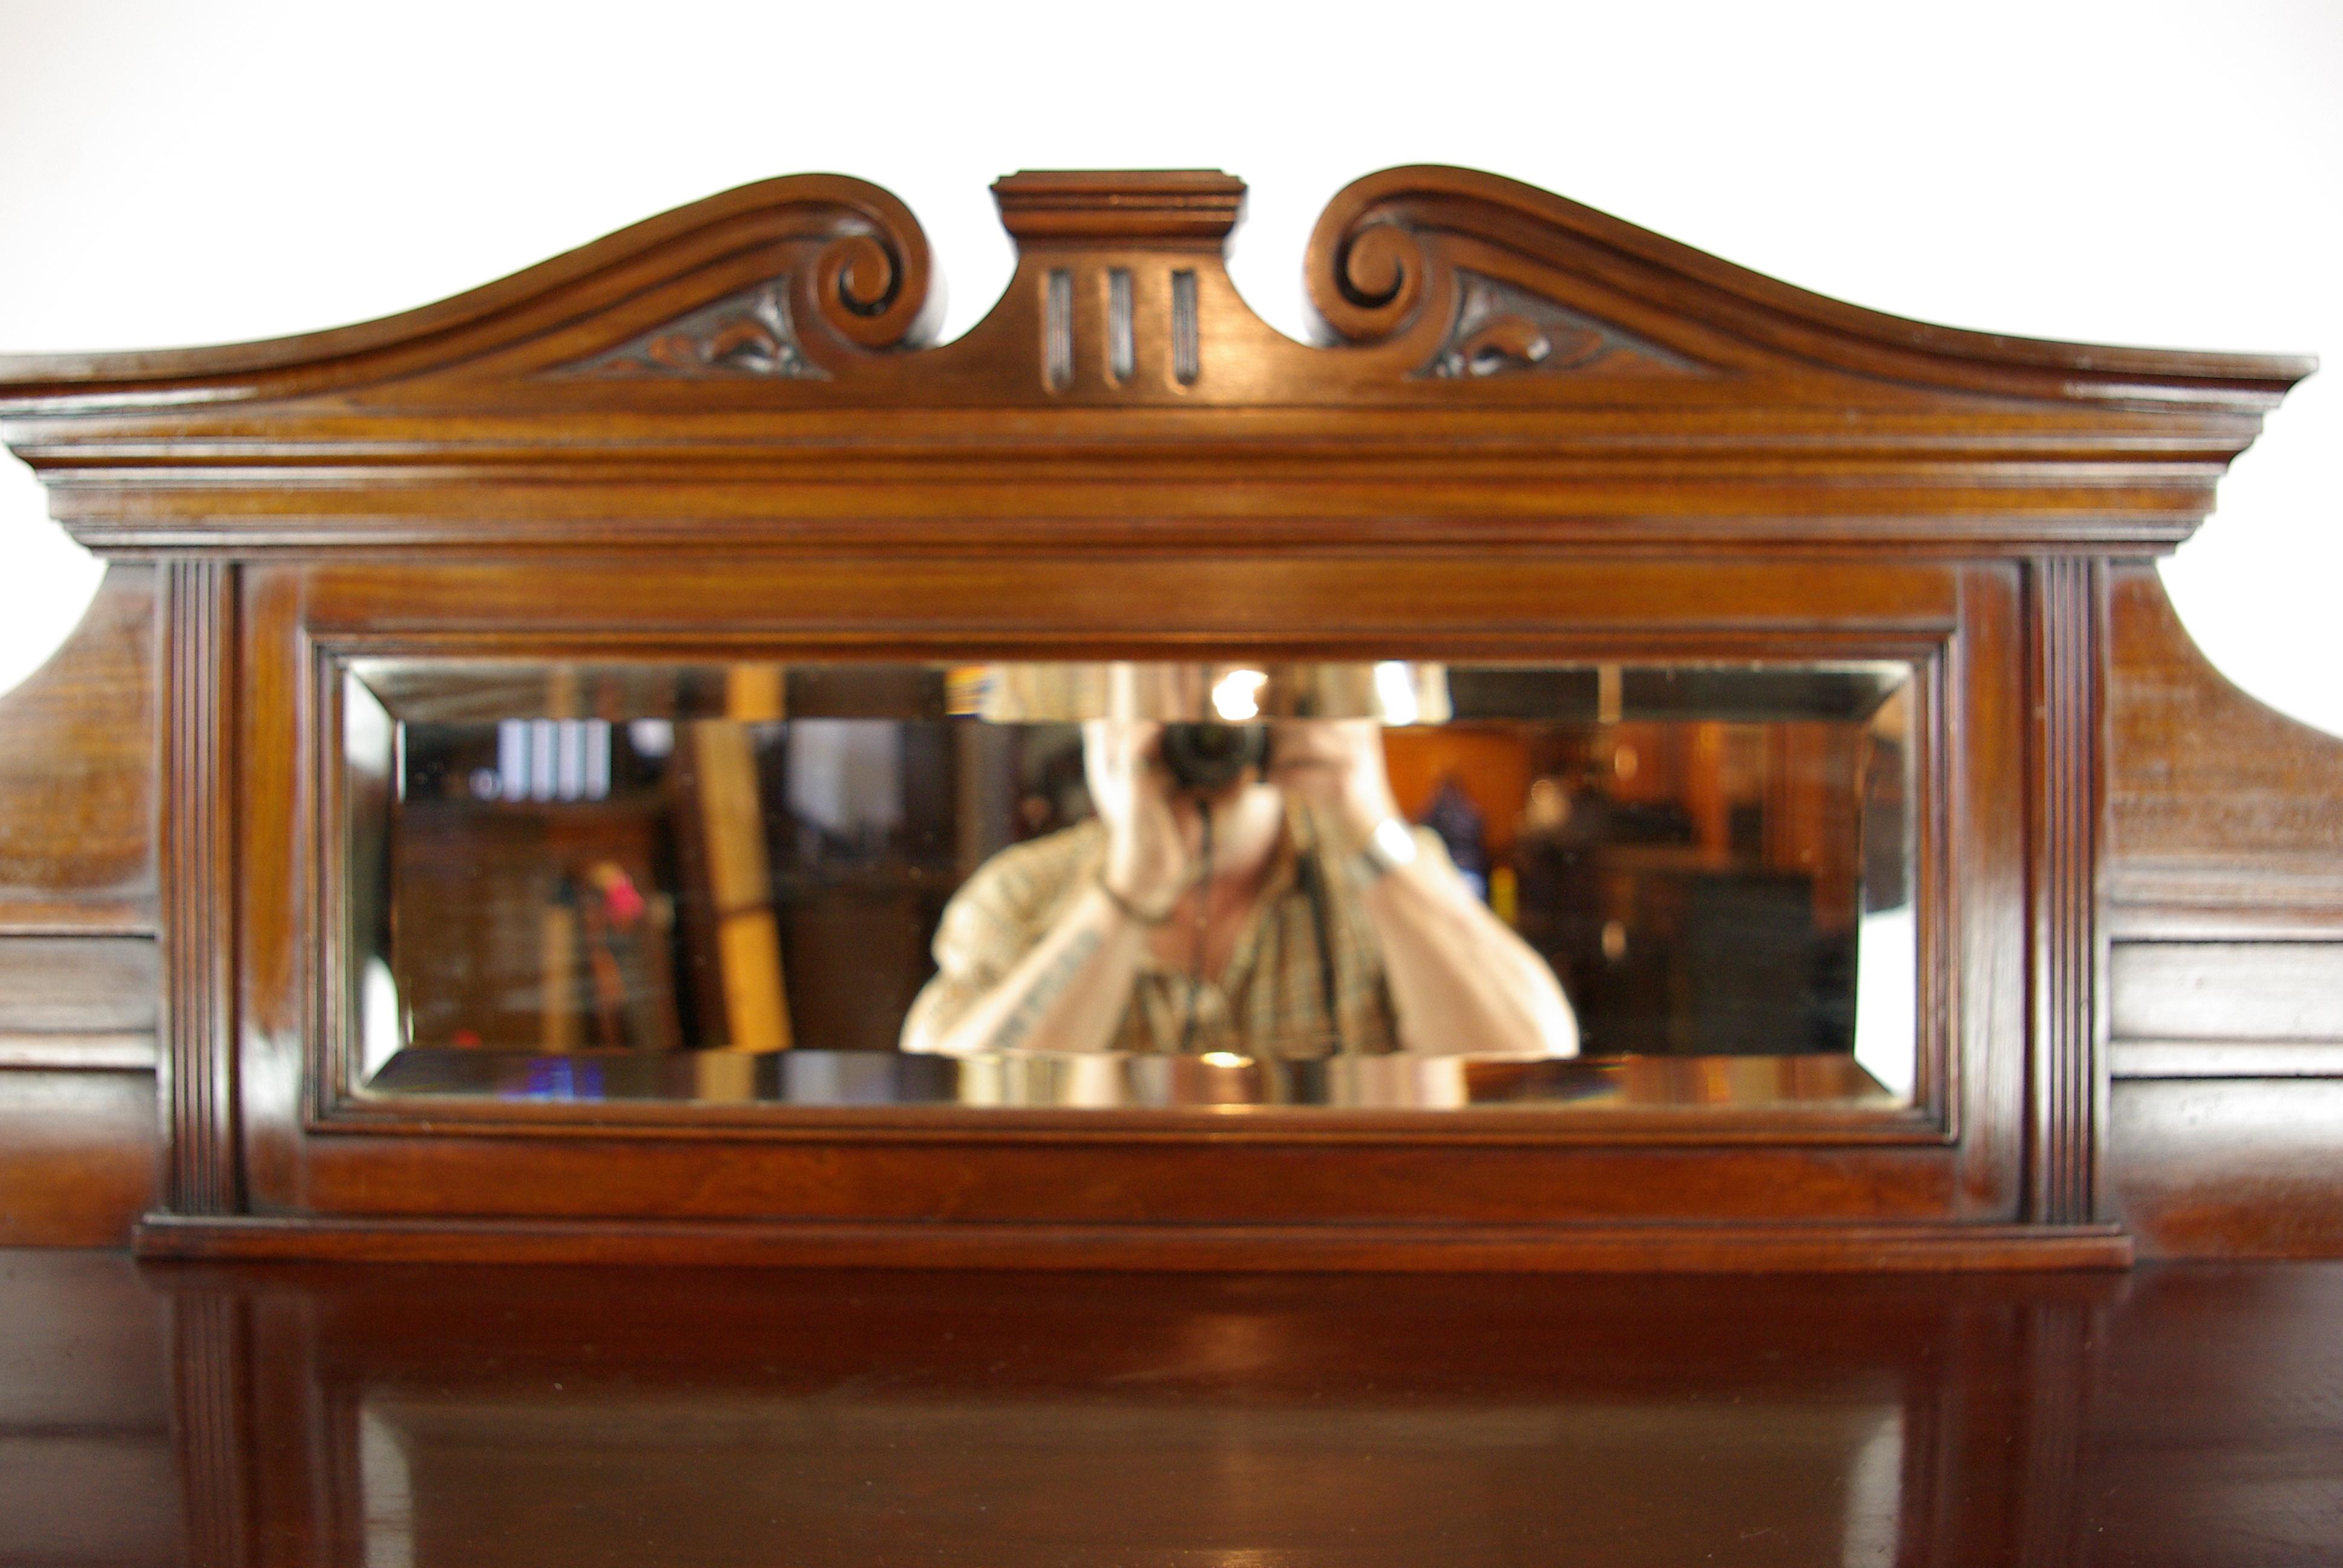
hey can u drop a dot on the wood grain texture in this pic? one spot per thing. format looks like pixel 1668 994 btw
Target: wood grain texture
pixel 76 985
pixel 429 1415
pixel 79 1141
pixel 2224 886
pixel 2209 1430
pixel 2210 1166
pixel 2224 818
pixel 79 1155
pixel 77 775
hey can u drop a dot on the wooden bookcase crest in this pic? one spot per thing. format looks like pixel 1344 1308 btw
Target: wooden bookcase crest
pixel 1530 431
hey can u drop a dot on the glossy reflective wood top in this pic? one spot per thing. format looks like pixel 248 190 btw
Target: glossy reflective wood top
pixel 388 1415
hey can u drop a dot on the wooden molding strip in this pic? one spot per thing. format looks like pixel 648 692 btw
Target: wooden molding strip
pixel 1685 1248
pixel 2068 1089
pixel 198 855
pixel 79 1052
pixel 2225 1059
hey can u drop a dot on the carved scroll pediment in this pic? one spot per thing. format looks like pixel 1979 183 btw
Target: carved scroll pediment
pixel 1526 355
pixel 1434 288
pixel 1121 297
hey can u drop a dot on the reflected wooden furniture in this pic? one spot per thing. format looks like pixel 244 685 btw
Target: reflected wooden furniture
pixel 1532 432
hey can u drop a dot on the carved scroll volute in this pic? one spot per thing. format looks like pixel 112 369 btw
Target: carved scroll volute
pixel 872 285
pixel 1373 280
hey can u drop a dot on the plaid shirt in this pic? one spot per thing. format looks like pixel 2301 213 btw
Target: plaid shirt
pixel 1270 1000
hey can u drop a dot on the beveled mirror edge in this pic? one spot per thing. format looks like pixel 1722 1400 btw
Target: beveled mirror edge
pixel 344 1103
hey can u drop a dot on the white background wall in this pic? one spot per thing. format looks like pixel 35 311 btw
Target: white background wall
pixel 2147 172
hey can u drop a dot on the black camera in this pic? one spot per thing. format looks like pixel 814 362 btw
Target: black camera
pixel 1206 759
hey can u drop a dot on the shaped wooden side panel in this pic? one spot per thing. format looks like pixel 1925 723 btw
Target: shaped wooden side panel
pixel 79 1138
pixel 2224 816
pixel 2225 977
pixel 77 775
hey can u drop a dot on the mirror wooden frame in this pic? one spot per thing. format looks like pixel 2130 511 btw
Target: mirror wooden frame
pixel 1911 618
pixel 1532 431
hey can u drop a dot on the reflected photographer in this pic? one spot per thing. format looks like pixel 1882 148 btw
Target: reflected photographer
pixel 1243 889
pixel 1134 882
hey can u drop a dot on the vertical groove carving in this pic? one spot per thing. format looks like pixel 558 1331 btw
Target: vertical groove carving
pixel 1121 356
pixel 1058 331
pixel 1187 355
pixel 2067 1086
pixel 199 686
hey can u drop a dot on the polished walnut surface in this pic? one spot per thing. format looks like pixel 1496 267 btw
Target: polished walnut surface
pixel 2185 1414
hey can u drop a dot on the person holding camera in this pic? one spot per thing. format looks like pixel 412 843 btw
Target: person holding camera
pixel 1282 908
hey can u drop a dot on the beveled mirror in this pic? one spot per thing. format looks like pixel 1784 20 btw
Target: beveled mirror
pixel 842 884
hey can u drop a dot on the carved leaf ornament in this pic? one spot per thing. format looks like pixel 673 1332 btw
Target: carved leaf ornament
pixel 746 334
pixel 1504 330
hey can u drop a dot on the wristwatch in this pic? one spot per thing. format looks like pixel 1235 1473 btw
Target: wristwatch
pixel 1390 846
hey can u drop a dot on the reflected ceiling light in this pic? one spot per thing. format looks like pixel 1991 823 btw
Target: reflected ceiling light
pixel 1396 691
pixel 1236 695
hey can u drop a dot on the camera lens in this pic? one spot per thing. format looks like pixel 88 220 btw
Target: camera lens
pixel 1207 758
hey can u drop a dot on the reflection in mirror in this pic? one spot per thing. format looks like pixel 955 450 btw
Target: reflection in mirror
pixel 1394 884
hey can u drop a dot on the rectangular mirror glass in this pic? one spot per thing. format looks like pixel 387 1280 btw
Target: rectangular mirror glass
pixel 1220 884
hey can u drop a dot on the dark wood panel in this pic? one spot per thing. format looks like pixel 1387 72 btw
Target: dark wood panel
pixel 1109 1180
pixel 77 772
pixel 2229 1167
pixel 86 1470
pixel 86 1348
pixel 427 1415
pixel 2224 828
pixel 2212 1426
pixel 79 1152
pixel 1601 603
pixel 73 1498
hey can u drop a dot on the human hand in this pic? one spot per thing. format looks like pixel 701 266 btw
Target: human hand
pixel 1335 766
pixel 1151 831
